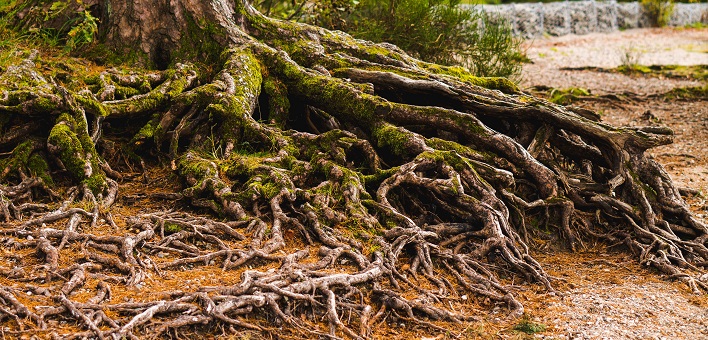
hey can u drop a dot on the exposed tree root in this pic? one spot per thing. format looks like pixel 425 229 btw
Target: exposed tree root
pixel 347 183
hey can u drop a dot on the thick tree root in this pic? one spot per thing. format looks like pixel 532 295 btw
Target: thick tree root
pixel 347 185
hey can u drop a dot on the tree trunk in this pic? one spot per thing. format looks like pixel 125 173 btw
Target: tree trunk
pixel 162 30
pixel 417 183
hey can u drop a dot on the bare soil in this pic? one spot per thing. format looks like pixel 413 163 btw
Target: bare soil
pixel 647 46
pixel 603 293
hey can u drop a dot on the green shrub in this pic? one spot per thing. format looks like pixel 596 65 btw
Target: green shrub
pixel 281 9
pixel 79 29
pixel 430 30
pixel 437 31
pixel 325 13
pixel 659 11
pixel 494 51
pixel 82 32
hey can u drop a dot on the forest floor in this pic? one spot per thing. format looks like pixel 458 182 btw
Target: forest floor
pixel 605 294
pixel 602 293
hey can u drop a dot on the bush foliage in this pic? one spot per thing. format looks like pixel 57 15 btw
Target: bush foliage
pixel 659 11
pixel 79 30
pixel 438 31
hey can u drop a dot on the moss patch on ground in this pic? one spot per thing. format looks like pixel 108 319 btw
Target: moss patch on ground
pixel 692 72
pixel 692 92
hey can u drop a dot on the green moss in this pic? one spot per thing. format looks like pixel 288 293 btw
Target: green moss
pixel 695 92
pixel 342 71
pixel 157 98
pixel 451 158
pixel 17 160
pixel 70 149
pixel 339 97
pixel 92 106
pixel 460 73
pixel 278 102
pixel 148 130
pixel 39 167
pixel 394 138
pixel 647 189
pixel 172 228
pixel 568 95
pixel 379 176
pixel 93 79
pixel 191 165
pixel 243 164
pixel 126 57
pixel 150 102
pixel 333 95
pixel 695 72
pixel 529 327
pixel 267 190
pixel 96 183
pixel 44 105
pixel 446 145
pixel 200 43
pixel 72 143
pixel 634 68
pixel 246 70
pixel 123 92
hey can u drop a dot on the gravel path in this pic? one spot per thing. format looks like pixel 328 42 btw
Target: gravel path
pixel 641 46
pixel 610 296
pixel 605 295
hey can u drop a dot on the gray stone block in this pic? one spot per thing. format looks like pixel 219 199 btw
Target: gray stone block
pixel 556 18
pixel 686 14
pixel 644 20
pixel 606 16
pixel 529 19
pixel 628 15
pixel 583 17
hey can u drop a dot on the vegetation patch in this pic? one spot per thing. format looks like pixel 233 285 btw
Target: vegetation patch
pixel 694 92
pixel 568 95
pixel 438 31
pixel 659 11
pixel 526 325
pixel 693 72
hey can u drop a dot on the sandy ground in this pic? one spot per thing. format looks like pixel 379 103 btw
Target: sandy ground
pixel 640 46
pixel 605 295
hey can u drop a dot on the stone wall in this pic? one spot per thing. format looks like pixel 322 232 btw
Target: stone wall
pixel 581 17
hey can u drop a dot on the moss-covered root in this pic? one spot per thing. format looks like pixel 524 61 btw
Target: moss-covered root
pixel 176 81
pixel 228 103
pixel 206 188
pixel 70 142
pixel 24 161
pixel 25 90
